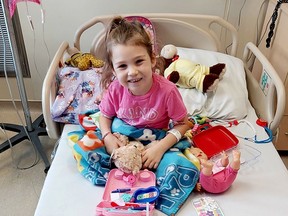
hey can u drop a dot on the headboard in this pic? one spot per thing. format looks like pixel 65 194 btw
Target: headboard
pixel 205 31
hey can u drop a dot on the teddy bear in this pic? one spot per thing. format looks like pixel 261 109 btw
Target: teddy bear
pixel 84 61
pixel 188 74
pixel 128 158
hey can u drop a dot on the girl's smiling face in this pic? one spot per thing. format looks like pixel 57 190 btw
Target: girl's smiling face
pixel 132 66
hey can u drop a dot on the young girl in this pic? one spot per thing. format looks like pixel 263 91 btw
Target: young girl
pixel 138 96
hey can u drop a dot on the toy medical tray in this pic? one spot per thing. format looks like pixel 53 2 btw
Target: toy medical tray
pixel 138 187
pixel 214 140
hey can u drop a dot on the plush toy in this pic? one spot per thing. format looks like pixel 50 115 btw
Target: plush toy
pixel 128 158
pixel 84 61
pixel 188 74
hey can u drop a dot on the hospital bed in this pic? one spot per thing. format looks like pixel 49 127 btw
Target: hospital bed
pixel 261 186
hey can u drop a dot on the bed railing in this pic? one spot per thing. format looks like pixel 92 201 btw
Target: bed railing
pixel 49 91
pixel 269 105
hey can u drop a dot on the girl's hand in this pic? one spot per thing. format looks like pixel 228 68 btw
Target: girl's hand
pixel 151 157
pixel 112 142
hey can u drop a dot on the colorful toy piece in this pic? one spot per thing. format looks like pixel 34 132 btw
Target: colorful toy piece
pixel 144 195
pixel 90 141
pixel 87 122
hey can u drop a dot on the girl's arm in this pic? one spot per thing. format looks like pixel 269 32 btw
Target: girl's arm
pixel 111 142
pixel 152 156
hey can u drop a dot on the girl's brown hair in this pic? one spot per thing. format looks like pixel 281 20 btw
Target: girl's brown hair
pixel 123 32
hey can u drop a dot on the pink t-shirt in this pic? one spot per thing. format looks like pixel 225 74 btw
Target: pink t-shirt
pixel 152 110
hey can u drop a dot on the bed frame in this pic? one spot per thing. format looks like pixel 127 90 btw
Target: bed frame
pixel 194 31
pixel 264 182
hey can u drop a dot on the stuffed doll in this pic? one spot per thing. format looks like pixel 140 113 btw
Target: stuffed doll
pixel 214 177
pixel 188 74
pixel 128 158
pixel 84 61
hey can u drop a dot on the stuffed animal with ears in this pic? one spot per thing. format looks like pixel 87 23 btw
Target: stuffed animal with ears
pixel 188 74
pixel 128 158
pixel 83 61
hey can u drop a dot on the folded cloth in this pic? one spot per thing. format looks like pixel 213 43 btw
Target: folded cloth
pixel 176 175
pixel 78 93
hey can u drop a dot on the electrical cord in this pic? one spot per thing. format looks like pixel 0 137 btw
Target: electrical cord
pixel 30 20
pixel 225 16
pixel 239 23
pixel 240 15
pixel 254 137
pixel 274 18
pixel 257 32
pixel 258 41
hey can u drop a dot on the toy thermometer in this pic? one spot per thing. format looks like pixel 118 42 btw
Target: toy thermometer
pixel 144 195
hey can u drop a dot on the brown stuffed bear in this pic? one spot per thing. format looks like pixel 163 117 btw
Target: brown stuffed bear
pixel 187 74
pixel 128 158
pixel 84 61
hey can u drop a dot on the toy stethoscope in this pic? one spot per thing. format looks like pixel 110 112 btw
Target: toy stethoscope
pixel 254 137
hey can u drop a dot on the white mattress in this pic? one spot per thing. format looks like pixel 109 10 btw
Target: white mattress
pixel 261 187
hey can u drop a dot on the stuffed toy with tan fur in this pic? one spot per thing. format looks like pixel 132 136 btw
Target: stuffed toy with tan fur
pixel 188 74
pixel 84 61
pixel 128 158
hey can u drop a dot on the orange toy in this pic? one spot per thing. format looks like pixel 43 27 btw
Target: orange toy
pixel 90 141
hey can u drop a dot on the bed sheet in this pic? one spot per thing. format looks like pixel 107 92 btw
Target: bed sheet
pixel 261 187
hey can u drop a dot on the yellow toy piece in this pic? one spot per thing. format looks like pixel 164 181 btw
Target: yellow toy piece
pixel 192 158
pixel 84 61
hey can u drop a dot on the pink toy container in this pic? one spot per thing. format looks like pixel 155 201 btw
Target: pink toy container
pixel 127 184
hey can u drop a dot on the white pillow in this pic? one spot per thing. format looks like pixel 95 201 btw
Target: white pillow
pixel 230 100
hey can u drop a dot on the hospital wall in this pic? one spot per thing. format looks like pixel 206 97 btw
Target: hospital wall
pixel 62 18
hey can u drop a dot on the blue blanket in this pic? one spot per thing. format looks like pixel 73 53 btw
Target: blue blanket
pixel 176 175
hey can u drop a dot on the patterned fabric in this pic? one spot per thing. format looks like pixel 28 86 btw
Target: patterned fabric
pixel 176 178
pixel 176 175
pixel 94 165
pixel 78 93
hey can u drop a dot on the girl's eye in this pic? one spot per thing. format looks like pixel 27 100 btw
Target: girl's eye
pixel 139 61
pixel 122 66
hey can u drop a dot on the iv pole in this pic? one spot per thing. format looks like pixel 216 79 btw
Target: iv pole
pixel 32 130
